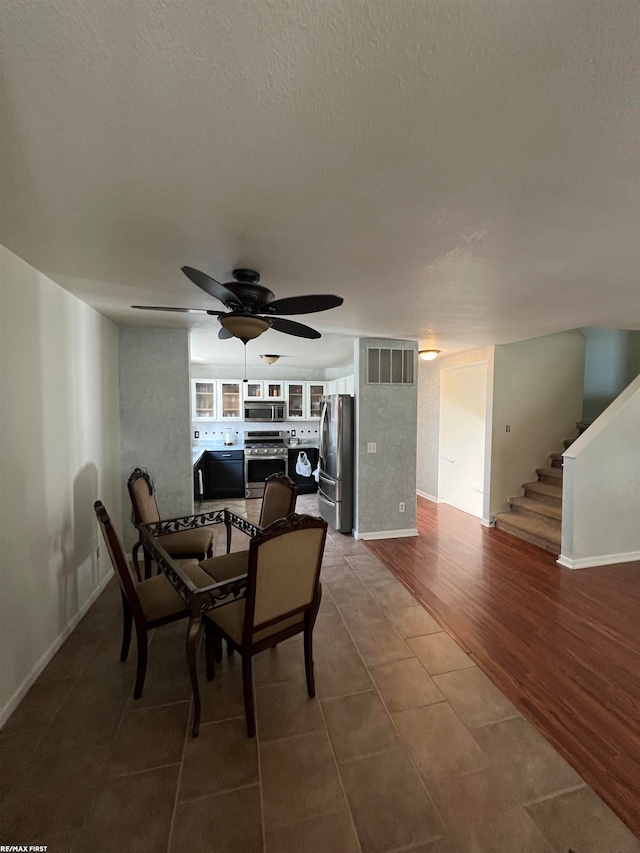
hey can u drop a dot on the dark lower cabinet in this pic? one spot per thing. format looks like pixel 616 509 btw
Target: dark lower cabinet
pixel 306 485
pixel 199 479
pixel 224 474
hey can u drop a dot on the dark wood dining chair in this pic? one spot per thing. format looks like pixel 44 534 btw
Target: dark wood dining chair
pixel 196 544
pixel 282 599
pixel 147 604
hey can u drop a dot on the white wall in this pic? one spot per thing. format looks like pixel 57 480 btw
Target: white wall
pixel 59 452
pixel 612 361
pixel 537 389
pixel 428 451
pixel 601 488
pixel 463 426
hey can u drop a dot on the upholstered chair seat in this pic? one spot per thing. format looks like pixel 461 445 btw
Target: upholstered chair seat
pixel 188 543
pixel 226 566
pixel 159 600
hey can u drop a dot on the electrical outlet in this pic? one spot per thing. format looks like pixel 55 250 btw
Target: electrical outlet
pixel 507 428
pixel 401 506
pixel 372 447
pixel 196 433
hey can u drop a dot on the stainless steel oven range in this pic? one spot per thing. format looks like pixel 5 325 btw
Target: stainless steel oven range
pixel 265 453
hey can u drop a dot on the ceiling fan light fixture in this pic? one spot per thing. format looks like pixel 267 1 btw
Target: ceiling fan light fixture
pixel 270 359
pixel 428 354
pixel 245 328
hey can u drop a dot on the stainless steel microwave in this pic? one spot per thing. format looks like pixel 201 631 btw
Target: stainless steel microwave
pixel 265 412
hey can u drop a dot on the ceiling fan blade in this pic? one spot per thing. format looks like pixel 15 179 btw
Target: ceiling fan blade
pixel 181 310
pixel 290 327
pixel 223 334
pixel 212 287
pixel 303 304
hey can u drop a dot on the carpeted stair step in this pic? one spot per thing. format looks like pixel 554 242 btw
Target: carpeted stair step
pixel 538 531
pixel 536 509
pixel 568 442
pixel 551 475
pixel 545 492
pixel 556 460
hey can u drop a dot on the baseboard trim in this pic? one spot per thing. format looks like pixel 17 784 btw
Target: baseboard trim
pixel 387 534
pixel 428 497
pixel 12 703
pixel 488 522
pixel 602 560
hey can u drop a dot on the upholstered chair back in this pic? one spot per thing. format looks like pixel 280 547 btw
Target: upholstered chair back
pixel 120 563
pixel 284 571
pixel 279 499
pixel 143 499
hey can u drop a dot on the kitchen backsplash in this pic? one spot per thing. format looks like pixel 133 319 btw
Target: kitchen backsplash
pixel 214 431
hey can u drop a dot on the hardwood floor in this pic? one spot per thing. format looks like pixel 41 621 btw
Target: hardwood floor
pixel 563 645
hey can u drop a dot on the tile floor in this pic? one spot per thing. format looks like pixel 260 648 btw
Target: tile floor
pixel 408 746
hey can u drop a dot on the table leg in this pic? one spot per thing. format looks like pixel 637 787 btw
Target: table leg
pixel 194 634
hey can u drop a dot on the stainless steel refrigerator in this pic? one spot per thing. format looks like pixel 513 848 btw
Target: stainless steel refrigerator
pixel 335 485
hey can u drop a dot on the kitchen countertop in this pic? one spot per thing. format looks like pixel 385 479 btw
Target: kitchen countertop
pixel 199 449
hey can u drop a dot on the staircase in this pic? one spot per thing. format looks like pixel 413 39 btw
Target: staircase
pixel 537 516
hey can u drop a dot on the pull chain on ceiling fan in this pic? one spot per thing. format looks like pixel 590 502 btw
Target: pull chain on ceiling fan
pixel 252 307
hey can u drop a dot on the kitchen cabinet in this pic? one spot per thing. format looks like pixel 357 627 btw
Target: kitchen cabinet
pixel 350 385
pixel 315 393
pixel 230 401
pixel 224 474
pixel 254 390
pixel 294 397
pixel 273 390
pixel 203 399
pixel 199 475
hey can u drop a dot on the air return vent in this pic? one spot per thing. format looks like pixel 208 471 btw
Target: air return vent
pixel 387 366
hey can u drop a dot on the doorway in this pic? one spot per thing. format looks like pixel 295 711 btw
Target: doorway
pixel 463 411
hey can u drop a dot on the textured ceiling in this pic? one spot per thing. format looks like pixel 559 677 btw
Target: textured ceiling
pixel 463 173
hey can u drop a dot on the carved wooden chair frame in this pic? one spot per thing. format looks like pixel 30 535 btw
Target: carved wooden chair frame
pixel 248 648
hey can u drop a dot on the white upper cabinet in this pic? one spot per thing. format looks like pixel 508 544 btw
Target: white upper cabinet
pixel 203 400
pixel 295 396
pixel 273 390
pixel 254 390
pixel 315 393
pixel 350 385
pixel 230 403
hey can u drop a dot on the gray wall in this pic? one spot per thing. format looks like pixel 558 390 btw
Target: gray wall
pixel 612 361
pixel 155 417
pixel 386 414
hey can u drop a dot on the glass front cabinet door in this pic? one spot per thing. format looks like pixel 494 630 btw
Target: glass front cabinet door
pixel 230 401
pixel 254 390
pixel 203 399
pixel 315 393
pixel 274 390
pixel 295 399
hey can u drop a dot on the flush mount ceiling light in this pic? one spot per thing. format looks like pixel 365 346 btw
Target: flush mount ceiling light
pixel 270 359
pixel 243 327
pixel 428 354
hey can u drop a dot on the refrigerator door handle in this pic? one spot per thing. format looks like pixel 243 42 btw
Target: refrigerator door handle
pixel 325 500
pixel 323 420
pixel 327 479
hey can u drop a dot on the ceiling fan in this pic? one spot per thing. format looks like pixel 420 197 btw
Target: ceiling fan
pixel 252 307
